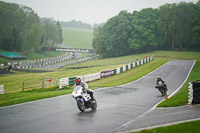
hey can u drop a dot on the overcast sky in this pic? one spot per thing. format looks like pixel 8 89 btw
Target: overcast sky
pixel 89 11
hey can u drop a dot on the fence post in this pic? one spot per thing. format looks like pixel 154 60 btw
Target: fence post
pixel 43 84
pixel 22 86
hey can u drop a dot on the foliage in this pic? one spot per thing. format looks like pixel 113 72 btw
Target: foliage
pixel 111 41
pixel 170 27
pixel 76 24
pixel 21 29
pixel 143 36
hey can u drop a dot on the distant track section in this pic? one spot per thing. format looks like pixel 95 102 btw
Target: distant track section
pixel 68 50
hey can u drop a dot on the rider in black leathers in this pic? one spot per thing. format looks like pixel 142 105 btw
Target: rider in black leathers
pixel 159 79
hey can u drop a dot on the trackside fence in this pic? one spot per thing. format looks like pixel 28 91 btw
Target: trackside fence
pixel 68 81
pixel 45 83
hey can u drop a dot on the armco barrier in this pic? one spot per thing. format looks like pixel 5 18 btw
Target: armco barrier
pixel 86 78
pixel 90 77
pixel 64 82
pixel 106 74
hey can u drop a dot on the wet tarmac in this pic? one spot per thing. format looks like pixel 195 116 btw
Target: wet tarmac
pixel 116 106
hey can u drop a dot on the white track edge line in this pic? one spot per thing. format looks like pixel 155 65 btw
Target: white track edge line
pixel 126 124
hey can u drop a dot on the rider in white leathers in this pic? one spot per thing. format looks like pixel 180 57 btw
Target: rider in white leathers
pixel 85 87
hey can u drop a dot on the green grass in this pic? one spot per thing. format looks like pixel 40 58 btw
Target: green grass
pixel 132 74
pixel 13 83
pixel 188 127
pixel 14 96
pixel 177 55
pixel 77 38
pixel 34 56
pixel 181 97
pixel 31 95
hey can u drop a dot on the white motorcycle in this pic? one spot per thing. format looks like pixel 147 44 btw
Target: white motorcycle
pixel 83 99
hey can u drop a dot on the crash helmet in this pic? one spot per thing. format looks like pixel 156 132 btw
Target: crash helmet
pixel 158 78
pixel 78 81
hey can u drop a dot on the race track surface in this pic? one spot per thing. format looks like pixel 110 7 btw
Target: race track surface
pixel 116 106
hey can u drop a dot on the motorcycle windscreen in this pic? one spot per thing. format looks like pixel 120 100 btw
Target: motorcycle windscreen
pixel 77 88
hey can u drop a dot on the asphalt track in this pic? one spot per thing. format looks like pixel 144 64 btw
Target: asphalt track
pixel 116 106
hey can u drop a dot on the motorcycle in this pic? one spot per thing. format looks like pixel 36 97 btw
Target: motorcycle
pixel 83 99
pixel 162 87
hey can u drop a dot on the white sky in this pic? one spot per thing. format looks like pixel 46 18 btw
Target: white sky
pixel 88 11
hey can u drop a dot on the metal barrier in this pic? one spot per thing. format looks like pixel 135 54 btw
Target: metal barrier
pixel 90 77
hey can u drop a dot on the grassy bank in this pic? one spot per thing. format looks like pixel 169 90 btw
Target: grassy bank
pixel 21 97
pixel 13 83
pixel 33 55
pixel 77 38
pixel 181 97
pixel 132 74
pixel 188 127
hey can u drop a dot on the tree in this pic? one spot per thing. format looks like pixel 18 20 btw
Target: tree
pixel 196 27
pixel 50 32
pixel 60 36
pixel 143 36
pixel 21 29
pixel 112 39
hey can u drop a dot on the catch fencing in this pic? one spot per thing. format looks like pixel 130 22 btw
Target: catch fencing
pixel 68 81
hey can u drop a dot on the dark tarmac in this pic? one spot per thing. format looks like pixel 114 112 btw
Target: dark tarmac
pixel 117 106
pixel 162 117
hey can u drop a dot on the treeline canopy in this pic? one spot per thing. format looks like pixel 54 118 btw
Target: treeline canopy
pixel 23 31
pixel 170 27
pixel 76 24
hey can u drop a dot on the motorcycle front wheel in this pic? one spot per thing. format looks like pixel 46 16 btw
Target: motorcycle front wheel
pixel 94 105
pixel 81 106
pixel 162 91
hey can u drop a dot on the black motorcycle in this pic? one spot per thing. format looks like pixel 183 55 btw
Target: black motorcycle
pixel 162 87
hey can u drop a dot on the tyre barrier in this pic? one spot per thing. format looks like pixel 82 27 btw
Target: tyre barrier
pixel 194 92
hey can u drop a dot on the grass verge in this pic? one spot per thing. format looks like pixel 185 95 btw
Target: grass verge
pixel 132 74
pixel 188 127
pixel 181 97
pixel 31 95
pixel 36 94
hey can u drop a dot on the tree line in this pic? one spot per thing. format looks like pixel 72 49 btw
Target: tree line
pixel 76 24
pixel 169 27
pixel 23 31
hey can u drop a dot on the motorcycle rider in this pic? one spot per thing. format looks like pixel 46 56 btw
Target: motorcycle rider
pixel 159 79
pixel 85 87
